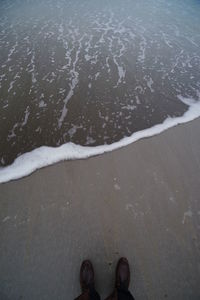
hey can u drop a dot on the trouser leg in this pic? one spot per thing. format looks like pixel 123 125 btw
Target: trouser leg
pixel 90 294
pixel 113 296
pixel 120 294
pixel 124 295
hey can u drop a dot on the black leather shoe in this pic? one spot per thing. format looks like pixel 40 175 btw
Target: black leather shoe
pixel 122 274
pixel 86 275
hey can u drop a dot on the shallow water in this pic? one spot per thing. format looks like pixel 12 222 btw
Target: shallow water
pixel 92 72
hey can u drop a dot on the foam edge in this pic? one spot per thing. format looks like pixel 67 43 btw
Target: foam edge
pixel 44 156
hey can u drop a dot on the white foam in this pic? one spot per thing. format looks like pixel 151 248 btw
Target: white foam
pixel 45 156
pixel 129 107
pixel 143 45
pixel 11 86
pixel 12 50
pixel 97 75
pixel 42 104
pixel 121 72
pixel 27 113
pixel 149 82
pixel 12 132
pixel 74 81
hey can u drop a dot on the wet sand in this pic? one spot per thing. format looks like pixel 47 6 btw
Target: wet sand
pixel 142 201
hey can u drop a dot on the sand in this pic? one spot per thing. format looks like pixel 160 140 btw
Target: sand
pixel 142 202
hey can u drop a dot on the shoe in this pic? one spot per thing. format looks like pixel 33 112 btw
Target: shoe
pixel 122 279
pixel 86 275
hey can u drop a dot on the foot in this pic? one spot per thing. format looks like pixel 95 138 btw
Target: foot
pixel 86 276
pixel 122 274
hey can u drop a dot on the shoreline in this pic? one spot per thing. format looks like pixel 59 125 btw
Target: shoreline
pixel 44 156
pixel 141 201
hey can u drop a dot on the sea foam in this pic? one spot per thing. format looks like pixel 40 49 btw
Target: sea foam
pixel 45 156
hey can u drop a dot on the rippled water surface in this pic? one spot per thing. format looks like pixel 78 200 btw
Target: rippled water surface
pixel 93 72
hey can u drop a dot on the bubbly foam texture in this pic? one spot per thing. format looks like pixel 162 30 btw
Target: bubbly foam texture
pixel 45 156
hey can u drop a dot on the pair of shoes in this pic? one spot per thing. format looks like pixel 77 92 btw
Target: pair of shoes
pixel 122 275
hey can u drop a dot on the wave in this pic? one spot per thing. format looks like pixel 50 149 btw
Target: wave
pixel 44 156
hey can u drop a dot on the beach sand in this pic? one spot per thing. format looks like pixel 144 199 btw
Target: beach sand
pixel 141 201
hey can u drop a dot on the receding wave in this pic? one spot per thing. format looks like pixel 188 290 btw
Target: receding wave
pixel 45 156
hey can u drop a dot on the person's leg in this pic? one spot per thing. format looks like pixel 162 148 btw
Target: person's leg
pixel 87 282
pixel 122 281
pixel 120 295
pixel 124 295
pixel 89 295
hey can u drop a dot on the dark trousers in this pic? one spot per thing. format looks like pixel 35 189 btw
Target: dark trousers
pixel 124 295
pixel 90 294
pixel 118 294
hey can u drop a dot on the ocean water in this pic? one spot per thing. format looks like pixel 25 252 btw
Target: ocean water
pixel 98 74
